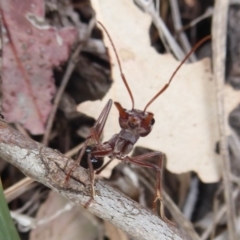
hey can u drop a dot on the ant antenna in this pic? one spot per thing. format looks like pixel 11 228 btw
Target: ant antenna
pixel 174 73
pixel 119 63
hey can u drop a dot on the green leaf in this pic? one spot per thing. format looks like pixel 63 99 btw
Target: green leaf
pixel 7 227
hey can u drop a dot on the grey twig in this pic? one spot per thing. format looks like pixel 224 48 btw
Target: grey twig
pixel 27 183
pixel 51 168
pixel 177 215
pixel 219 33
pixel 161 27
pixel 178 25
pixel 59 93
pixel 207 14
pixel 66 77
pixel 218 217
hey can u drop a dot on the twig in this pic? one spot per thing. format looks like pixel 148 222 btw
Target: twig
pixel 219 215
pixel 26 184
pixel 177 215
pixel 160 32
pixel 219 27
pixel 70 67
pixel 148 6
pixel 66 77
pixel 234 145
pixel 178 25
pixel 74 150
pixel 26 223
pixel 19 188
pixel 191 198
pixel 21 129
pixel 235 179
pixel 158 6
pixel 215 210
pixel 67 207
pixel 32 202
pixel 207 14
pixel 51 168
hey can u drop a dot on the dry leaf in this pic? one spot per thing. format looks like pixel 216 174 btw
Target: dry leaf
pixel 186 127
pixel 31 50
pixel 70 225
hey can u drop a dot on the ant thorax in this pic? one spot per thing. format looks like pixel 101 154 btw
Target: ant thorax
pixel 134 124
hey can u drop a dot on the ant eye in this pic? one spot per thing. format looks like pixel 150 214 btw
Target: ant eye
pixel 152 121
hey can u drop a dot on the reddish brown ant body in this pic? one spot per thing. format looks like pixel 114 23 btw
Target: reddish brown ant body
pixel 134 124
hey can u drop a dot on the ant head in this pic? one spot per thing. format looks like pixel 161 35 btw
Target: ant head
pixel 135 121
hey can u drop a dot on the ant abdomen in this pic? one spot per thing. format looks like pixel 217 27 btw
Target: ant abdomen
pixel 97 162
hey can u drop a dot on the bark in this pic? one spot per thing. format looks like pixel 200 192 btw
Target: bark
pixel 50 168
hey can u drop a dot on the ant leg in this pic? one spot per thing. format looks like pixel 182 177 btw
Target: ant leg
pixel 92 180
pixel 101 121
pixel 91 176
pixel 77 162
pixel 96 130
pixel 141 161
pixel 94 135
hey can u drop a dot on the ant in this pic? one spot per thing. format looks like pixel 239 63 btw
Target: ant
pixel 134 124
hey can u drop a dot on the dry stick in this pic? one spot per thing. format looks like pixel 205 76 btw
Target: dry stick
pixel 177 26
pixel 67 207
pixel 66 77
pixel 219 28
pixel 21 129
pixel 50 167
pixel 148 6
pixel 234 146
pixel 160 32
pixel 32 223
pixel 19 188
pixel 235 179
pixel 215 210
pixel 26 184
pixel 68 73
pixel 177 215
pixel 207 14
pixel 219 216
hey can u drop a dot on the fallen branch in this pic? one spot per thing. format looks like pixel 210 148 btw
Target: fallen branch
pixel 219 33
pixel 50 167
